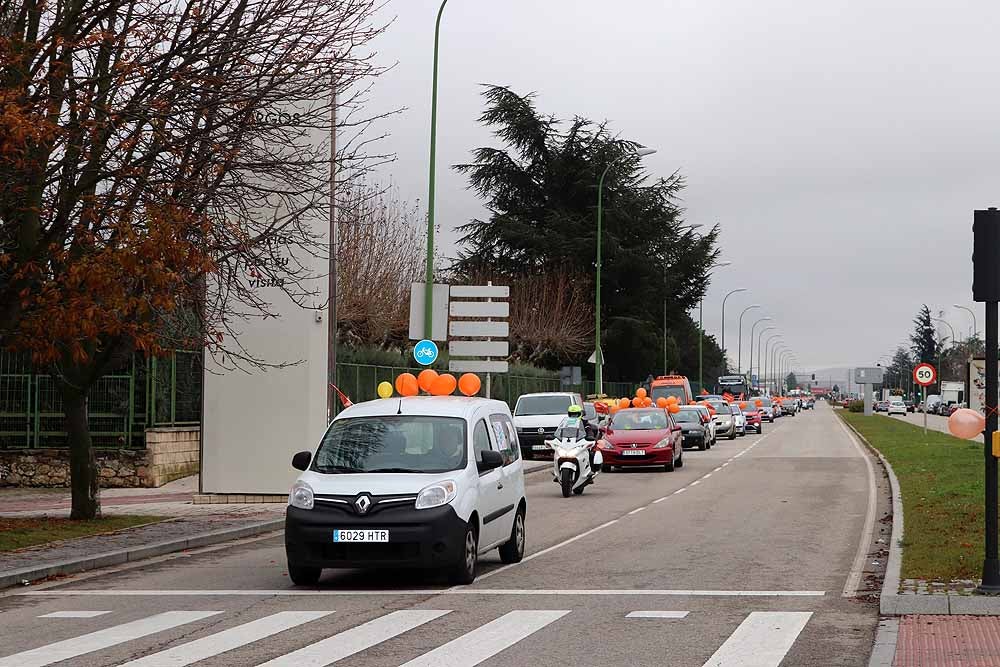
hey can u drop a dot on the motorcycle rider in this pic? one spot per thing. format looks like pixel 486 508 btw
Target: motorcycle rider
pixel 574 416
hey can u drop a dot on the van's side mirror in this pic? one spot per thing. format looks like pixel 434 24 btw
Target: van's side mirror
pixel 489 460
pixel 301 460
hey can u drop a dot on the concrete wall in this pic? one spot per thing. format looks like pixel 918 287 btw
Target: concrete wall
pixel 171 453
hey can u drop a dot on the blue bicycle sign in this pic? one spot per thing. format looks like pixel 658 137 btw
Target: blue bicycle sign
pixel 425 352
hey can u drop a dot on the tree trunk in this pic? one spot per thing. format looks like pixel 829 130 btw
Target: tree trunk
pixel 84 477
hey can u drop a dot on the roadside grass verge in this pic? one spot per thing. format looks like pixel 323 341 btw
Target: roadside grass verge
pixel 941 482
pixel 18 533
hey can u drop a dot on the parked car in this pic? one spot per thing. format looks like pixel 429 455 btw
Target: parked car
pixel 724 422
pixel 738 419
pixel 896 406
pixel 642 437
pixel 537 416
pixel 910 407
pixel 766 408
pixel 753 418
pixel 430 482
pixel 693 428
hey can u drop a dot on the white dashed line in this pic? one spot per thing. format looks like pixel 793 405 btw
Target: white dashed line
pixel 636 510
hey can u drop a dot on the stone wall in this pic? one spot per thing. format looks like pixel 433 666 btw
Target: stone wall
pixel 171 453
pixel 50 467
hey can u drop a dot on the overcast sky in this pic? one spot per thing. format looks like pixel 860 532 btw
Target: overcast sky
pixel 842 146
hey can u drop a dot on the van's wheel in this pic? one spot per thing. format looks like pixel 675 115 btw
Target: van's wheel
pixel 304 576
pixel 513 550
pixel 464 571
pixel 566 480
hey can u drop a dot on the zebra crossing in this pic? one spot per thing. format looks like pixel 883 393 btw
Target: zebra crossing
pixel 762 639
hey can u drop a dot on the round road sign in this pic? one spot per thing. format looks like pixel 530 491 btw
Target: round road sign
pixel 425 352
pixel 924 375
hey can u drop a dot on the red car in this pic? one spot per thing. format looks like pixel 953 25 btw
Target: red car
pixel 754 421
pixel 642 437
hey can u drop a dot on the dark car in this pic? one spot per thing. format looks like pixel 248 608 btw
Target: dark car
pixel 882 406
pixel 753 418
pixel 910 406
pixel 642 437
pixel 693 429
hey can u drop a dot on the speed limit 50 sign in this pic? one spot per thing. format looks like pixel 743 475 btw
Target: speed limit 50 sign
pixel 924 375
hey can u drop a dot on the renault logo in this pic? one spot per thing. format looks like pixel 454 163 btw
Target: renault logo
pixel 362 504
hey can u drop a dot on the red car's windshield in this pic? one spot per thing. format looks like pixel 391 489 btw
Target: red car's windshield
pixel 640 420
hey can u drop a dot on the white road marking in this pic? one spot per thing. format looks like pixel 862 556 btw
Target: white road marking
pixel 656 614
pixel 858 569
pixel 357 639
pixel 706 476
pixel 636 510
pixel 719 468
pixel 660 500
pixel 680 491
pixel 75 614
pixel 762 639
pixel 545 551
pixel 695 482
pixel 102 639
pixel 227 640
pixel 291 592
pixel 486 641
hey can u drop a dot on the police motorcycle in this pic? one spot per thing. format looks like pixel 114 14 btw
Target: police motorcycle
pixel 575 461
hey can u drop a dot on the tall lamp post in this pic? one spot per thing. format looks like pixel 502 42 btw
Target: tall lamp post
pixel 760 336
pixel 763 366
pixel 975 327
pixel 725 356
pixel 769 351
pixel 941 353
pixel 739 340
pixel 598 353
pixel 752 329
pixel 429 274
pixel 779 349
pixel 701 329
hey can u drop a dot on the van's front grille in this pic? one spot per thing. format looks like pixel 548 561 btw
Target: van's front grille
pixel 347 551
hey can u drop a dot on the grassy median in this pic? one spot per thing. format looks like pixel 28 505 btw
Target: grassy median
pixel 17 533
pixel 941 481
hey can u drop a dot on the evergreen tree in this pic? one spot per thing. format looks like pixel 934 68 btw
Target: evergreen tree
pixel 923 340
pixel 791 382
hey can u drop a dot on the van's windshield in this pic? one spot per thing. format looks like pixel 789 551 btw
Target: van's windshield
pixel 555 404
pixel 666 391
pixel 403 444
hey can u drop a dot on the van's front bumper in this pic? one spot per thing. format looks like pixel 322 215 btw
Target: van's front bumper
pixel 417 538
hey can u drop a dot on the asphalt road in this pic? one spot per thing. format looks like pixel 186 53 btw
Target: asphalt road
pixel 741 557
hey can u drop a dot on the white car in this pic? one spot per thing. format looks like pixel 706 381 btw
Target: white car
pixel 739 420
pixel 537 416
pixel 897 407
pixel 424 481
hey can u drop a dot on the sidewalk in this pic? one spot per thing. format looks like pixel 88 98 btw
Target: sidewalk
pixel 948 641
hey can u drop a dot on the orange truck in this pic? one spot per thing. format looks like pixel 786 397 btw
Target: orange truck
pixel 671 385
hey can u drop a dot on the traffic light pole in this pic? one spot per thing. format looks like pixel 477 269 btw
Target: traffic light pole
pixel 991 564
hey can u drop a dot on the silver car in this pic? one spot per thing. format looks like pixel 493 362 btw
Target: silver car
pixel 725 422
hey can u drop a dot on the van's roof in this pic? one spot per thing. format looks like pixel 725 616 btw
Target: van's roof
pixel 432 406
pixel 547 393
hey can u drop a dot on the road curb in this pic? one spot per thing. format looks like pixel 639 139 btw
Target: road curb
pixel 72 566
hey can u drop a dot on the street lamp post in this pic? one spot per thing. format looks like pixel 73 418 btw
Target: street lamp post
pixel 769 351
pixel 763 366
pixel 975 327
pixel 760 336
pixel 598 353
pixel 941 352
pixel 752 329
pixel 725 356
pixel 429 273
pixel 701 330
pixel 739 340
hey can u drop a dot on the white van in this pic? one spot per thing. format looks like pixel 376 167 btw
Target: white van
pixel 537 416
pixel 424 481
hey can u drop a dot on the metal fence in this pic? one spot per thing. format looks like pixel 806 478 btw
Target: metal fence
pixel 359 382
pixel 145 393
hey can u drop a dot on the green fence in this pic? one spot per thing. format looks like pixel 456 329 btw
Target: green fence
pixel 359 382
pixel 145 393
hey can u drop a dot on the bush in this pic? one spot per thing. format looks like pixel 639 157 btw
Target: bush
pixel 856 406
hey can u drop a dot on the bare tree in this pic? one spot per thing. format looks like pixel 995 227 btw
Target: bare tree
pixel 161 161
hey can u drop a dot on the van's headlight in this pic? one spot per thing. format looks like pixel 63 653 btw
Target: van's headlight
pixel 301 496
pixel 437 494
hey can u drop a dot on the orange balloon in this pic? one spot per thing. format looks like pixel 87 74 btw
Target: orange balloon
pixel 743 405
pixel 662 402
pixel 966 423
pixel 673 399
pixel 624 403
pixel 674 408
pixel 640 392
pixel 469 384
pixel 614 409
pixel 759 403
pixel 647 402
pixel 426 379
pixel 444 385
pixel 406 385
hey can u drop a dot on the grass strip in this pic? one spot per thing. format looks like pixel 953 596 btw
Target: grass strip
pixel 18 533
pixel 941 482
